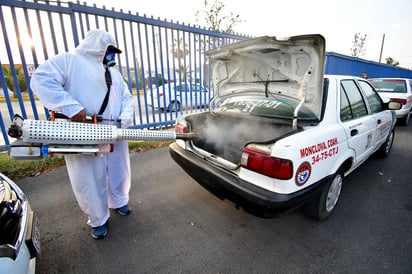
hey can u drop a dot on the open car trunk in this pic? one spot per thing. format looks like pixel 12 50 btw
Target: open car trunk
pixel 265 88
pixel 225 135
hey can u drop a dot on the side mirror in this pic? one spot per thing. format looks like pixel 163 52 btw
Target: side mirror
pixel 394 105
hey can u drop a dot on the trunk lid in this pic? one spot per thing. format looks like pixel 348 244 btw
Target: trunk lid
pixel 266 66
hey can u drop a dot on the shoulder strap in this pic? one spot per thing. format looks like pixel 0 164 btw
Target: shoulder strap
pixel 108 79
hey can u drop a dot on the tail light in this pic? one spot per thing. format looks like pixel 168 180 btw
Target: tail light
pixel 401 101
pixel 181 128
pixel 261 162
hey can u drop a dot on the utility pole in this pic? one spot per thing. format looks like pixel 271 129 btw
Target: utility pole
pixel 383 41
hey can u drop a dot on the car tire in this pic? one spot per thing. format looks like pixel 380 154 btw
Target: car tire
pixel 174 106
pixel 323 205
pixel 386 147
pixel 404 121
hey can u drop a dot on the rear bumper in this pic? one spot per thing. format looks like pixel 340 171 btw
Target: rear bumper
pixel 403 112
pixel 227 185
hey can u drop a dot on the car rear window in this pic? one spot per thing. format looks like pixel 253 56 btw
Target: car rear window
pixel 265 107
pixel 389 85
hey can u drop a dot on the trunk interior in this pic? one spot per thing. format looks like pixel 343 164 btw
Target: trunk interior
pixel 226 135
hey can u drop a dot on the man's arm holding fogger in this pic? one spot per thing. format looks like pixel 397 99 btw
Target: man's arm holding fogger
pixel 47 83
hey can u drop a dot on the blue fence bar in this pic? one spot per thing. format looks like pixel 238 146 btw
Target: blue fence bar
pixel 158 57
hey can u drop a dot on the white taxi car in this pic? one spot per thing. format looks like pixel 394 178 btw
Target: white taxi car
pixel 280 134
pixel 175 96
pixel 19 230
pixel 396 90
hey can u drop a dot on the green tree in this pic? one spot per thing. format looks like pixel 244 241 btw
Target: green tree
pixel 215 17
pixel 8 75
pixel 358 45
pixel 180 49
pixel 138 83
pixel 180 52
pixel 392 62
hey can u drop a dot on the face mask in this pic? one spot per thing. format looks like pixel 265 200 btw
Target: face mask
pixel 109 58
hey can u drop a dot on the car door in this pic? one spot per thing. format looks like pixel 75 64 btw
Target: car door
pixel 192 93
pixel 196 95
pixel 382 119
pixel 185 95
pixel 409 93
pixel 358 124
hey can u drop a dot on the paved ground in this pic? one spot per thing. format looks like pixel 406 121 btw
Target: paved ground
pixel 177 226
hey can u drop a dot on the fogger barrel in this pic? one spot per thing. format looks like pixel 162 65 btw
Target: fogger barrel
pixel 37 139
pixel 62 132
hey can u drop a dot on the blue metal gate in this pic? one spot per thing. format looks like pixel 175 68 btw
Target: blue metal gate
pixel 158 59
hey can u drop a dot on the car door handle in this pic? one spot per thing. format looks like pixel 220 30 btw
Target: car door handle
pixel 379 121
pixel 354 132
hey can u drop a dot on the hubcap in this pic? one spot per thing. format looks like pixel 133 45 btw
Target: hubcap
pixel 333 193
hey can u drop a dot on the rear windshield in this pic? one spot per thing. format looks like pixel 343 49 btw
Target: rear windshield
pixel 265 107
pixel 389 85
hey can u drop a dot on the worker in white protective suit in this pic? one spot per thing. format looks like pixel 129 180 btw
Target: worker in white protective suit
pixel 74 84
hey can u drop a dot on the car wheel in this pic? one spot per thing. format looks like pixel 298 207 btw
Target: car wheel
pixel 323 205
pixel 174 106
pixel 386 147
pixel 404 121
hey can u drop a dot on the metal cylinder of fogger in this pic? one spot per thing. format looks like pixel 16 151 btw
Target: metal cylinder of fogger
pixel 63 132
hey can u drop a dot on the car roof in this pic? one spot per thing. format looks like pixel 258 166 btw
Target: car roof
pixel 343 76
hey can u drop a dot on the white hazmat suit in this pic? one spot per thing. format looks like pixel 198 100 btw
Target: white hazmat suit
pixel 74 81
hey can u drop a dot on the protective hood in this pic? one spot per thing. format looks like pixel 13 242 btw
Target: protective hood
pixel 96 43
pixel 266 66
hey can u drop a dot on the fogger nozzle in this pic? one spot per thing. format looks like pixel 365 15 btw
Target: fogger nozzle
pixel 186 136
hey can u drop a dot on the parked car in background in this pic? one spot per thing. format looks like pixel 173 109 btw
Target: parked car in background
pixel 280 134
pixel 19 230
pixel 176 96
pixel 396 90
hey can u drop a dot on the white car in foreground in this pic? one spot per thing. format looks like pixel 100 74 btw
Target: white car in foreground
pixel 280 134
pixel 19 230
pixel 396 90
pixel 176 96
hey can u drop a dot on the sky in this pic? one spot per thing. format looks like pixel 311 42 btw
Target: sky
pixel 384 22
